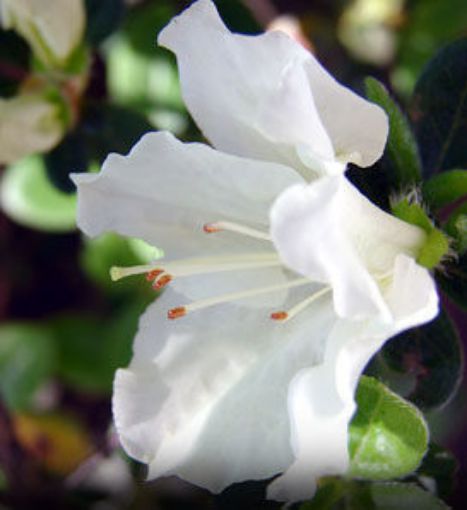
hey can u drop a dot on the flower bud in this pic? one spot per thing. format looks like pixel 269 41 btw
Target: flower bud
pixel 53 28
pixel 29 122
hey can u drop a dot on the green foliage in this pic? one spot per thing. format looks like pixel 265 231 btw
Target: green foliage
pixel 430 25
pixel 27 359
pixel 436 244
pixel 453 280
pixel 439 110
pixel 388 436
pixel 91 349
pixel 335 494
pixel 439 467
pixel 445 188
pixel 29 198
pixel 99 255
pixel 401 146
pixel 432 355
pixel 103 18
pixel 404 496
pixel 456 227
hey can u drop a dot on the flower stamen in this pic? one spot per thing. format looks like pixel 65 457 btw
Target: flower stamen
pixel 189 267
pixel 284 316
pixel 220 226
pixel 162 281
pixel 174 313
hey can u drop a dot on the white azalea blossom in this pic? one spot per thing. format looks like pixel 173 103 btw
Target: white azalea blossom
pixel 283 278
pixel 53 28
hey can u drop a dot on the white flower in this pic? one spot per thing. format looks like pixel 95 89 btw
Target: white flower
pixel 53 28
pixel 29 123
pixel 230 391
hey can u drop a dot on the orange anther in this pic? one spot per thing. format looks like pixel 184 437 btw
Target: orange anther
pixel 176 313
pixel 279 316
pixel 211 228
pixel 152 275
pixel 162 282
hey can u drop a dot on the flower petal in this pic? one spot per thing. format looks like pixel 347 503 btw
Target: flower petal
pixel 228 81
pixel 358 129
pixel 255 96
pixel 331 233
pixel 321 398
pixel 164 191
pixel 205 397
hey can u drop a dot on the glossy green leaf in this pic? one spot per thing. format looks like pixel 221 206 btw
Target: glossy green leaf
pixel 388 436
pixel 27 359
pixel 445 188
pixel 401 146
pixel 432 355
pixel 439 109
pixel 28 197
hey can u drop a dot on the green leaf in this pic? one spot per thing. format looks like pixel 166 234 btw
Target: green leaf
pixel 144 22
pixel 456 227
pixel 28 197
pixel 445 188
pixel 330 491
pixel 339 494
pixel 388 436
pixel 432 355
pixel 99 255
pixel 109 128
pixel 436 244
pixel 402 147
pixel 432 25
pixel 439 109
pixel 440 467
pixel 103 17
pixel 403 496
pixel 91 349
pixel 27 359
pixel 69 156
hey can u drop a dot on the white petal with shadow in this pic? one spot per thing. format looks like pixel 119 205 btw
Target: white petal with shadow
pixel 165 190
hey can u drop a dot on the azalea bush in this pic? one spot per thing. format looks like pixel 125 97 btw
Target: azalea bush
pixel 234 265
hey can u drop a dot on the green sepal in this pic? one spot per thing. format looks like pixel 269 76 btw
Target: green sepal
pixel 436 244
pixel 388 436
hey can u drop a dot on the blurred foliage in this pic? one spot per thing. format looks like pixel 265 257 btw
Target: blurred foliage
pixel 66 327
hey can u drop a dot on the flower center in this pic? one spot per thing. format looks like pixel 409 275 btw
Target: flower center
pixel 160 275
